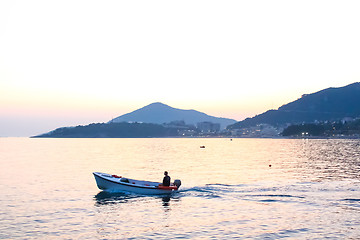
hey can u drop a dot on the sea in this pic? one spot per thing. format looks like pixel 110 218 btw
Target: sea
pixel 231 189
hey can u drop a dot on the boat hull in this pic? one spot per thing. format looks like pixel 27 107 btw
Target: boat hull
pixel 109 183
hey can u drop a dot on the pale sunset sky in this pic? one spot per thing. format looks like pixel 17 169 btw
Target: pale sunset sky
pixel 68 63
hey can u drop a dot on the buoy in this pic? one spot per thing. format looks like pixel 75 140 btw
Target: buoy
pixel 269 165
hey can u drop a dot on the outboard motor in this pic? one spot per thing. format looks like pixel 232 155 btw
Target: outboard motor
pixel 177 183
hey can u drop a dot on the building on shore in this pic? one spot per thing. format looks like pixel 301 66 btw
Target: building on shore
pixel 208 127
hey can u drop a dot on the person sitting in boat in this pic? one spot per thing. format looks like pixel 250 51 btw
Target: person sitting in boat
pixel 166 180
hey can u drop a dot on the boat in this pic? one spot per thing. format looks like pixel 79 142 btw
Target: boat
pixel 115 183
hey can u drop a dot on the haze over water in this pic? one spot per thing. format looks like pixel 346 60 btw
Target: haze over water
pixel 228 189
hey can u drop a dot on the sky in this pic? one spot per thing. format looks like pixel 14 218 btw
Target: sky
pixel 67 63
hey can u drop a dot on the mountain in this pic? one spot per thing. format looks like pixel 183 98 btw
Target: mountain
pixel 330 104
pixel 142 123
pixel 160 113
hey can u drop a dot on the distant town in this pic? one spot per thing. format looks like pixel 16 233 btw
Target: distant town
pixel 345 128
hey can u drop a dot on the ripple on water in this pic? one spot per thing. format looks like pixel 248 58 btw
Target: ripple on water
pixel 229 191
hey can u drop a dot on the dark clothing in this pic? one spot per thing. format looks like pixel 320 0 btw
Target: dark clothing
pixel 166 181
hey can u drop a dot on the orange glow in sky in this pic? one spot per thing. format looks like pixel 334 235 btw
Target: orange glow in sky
pixel 76 62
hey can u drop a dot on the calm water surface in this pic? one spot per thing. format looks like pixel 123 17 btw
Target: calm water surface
pixel 311 190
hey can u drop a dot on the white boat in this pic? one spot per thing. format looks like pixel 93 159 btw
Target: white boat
pixel 114 183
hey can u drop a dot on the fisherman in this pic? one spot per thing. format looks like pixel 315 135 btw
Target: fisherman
pixel 166 180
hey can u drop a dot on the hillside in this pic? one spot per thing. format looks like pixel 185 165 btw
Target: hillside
pixel 160 113
pixel 338 129
pixel 330 104
pixel 112 130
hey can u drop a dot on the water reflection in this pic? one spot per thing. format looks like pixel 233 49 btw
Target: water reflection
pixel 166 201
pixel 331 161
pixel 105 198
pixel 142 214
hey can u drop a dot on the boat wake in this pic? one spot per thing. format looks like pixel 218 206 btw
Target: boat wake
pixel 246 192
pixel 301 192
